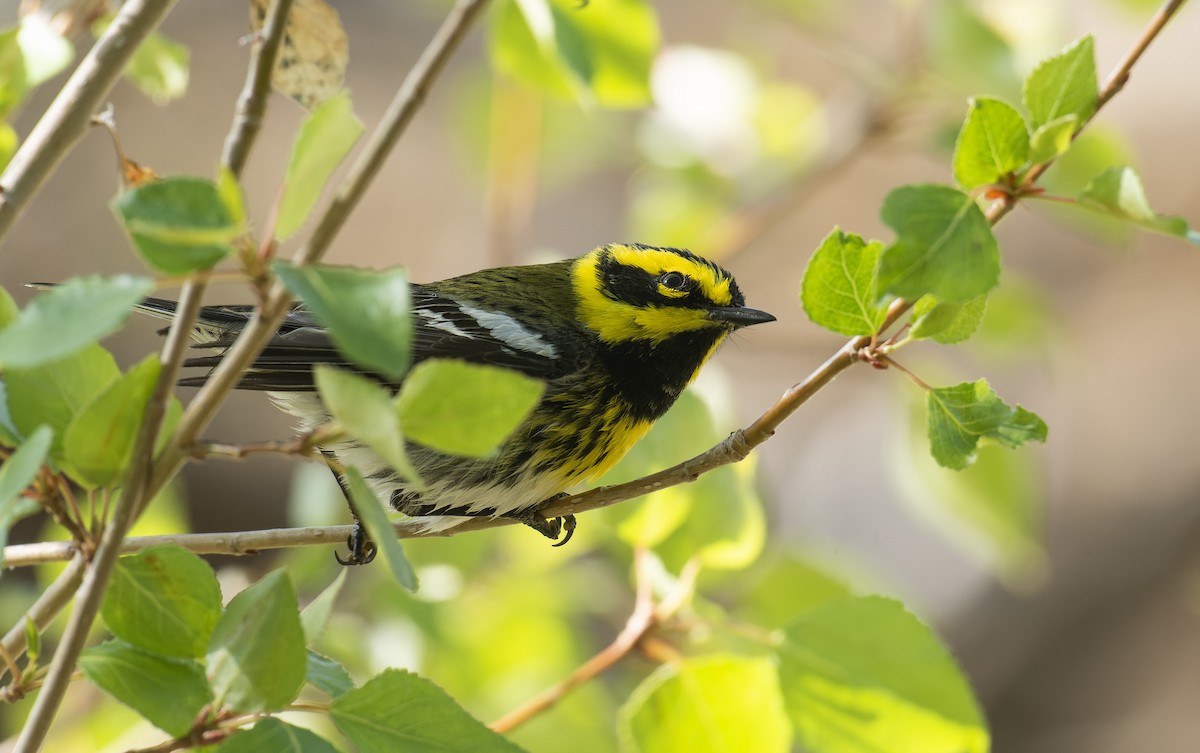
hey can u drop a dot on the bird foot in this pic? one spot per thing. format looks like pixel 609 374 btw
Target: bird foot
pixel 362 549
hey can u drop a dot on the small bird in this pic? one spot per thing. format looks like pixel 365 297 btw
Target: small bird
pixel 615 335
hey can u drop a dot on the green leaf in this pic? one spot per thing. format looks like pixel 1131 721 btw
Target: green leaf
pixel 8 309
pixel 944 245
pixel 965 414
pixel 838 289
pixel 465 409
pixel 325 138
pixel 967 52
pixel 314 616
pixel 165 600
pixel 598 52
pixel 1064 84
pixel 1052 139
pixel 178 225
pixel 99 442
pixel 364 408
pixel 865 675
pixel 53 393
pixel 379 528
pixel 711 704
pixel 21 467
pixel 270 735
pixel 45 51
pixel 232 195
pixel 1118 191
pixel 367 311
pixel 33 641
pixel 993 510
pixel 993 144
pixel 327 674
pixel 947 323
pixel 256 658
pixel 786 587
pixel 14 82
pixel 10 436
pixel 159 68
pixel 397 710
pixel 69 316
pixel 718 518
pixel 168 692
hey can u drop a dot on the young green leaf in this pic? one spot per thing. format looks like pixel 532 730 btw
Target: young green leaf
pixel 397 710
pixel 710 704
pixel 316 614
pixel 364 409
pixel 98 443
pixel 178 225
pixel 232 196
pixel 10 436
pixel 1064 84
pixel 993 144
pixel 944 245
pixel 45 51
pixel 782 587
pixel 838 289
pixel 965 414
pixel 8 309
pixel 598 52
pixel 947 323
pixel 159 68
pixel 21 467
pixel 1052 139
pixel 165 600
pixel 69 316
pixel 864 674
pixel 1118 192
pixel 367 311
pixel 33 642
pixel 53 393
pixel 324 140
pixel 168 692
pixel 464 409
pixel 14 81
pixel 269 735
pixel 379 528
pixel 327 674
pixel 256 658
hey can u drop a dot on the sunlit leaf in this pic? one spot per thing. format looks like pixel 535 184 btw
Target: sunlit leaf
pixel 168 692
pixel 864 674
pixel 178 225
pixel 597 52
pixel 962 416
pixel 993 144
pixel 46 52
pixel 397 710
pixel 269 735
pixel 1063 84
pixel 325 138
pixel 1118 192
pixel 159 68
pixel 53 393
pixel 1052 139
pixel 316 614
pixel 944 245
pixel 367 311
pixel 379 528
pixel 165 600
pixel 711 704
pixel 67 317
pixel 838 289
pixel 99 441
pixel 462 408
pixel 946 322
pixel 364 408
pixel 256 658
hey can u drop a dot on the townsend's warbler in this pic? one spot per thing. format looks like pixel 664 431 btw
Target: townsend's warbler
pixel 615 334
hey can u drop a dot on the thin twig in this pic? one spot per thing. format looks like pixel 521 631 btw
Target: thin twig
pixel 252 103
pixel 68 118
pixel 641 620
pixel 47 606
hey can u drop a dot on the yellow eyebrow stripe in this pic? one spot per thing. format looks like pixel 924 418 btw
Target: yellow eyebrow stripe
pixel 658 261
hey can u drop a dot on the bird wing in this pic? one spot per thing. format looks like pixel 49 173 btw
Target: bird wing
pixel 443 327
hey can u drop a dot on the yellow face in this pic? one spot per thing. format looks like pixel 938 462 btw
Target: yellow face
pixel 644 293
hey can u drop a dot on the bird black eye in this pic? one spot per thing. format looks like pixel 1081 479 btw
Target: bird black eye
pixel 673 280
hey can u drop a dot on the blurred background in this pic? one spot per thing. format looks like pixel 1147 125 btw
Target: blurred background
pixel 1065 578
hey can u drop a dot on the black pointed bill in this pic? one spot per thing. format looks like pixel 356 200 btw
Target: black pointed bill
pixel 739 316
